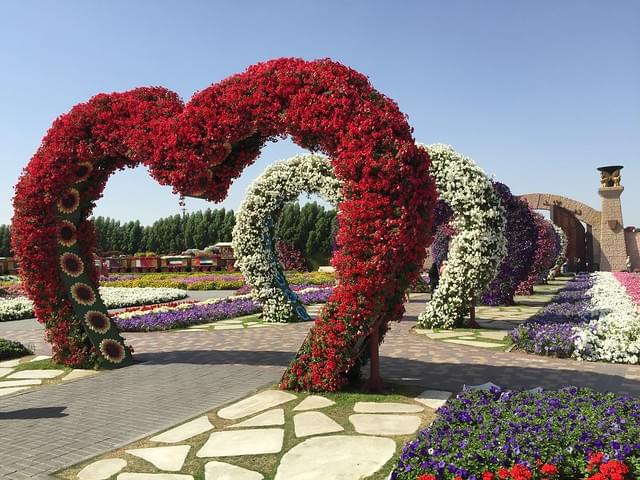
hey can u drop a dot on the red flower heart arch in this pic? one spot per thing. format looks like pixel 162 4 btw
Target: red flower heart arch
pixel 199 148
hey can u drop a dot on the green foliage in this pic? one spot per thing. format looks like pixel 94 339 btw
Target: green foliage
pixel 168 235
pixel 10 349
pixel 5 241
pixel 308 229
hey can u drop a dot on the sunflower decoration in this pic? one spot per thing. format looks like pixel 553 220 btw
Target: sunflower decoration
pixel 70 201
pixel 71 264
pixel 97 321
pixel 83 294
pixel 82 171
pixel 112 350
pixel 67 233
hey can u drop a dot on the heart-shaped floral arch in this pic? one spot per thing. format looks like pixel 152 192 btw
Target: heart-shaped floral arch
pixel 254 244
pixel 199 148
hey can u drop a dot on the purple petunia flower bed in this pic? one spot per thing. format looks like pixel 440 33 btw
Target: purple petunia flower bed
pixel 482 431
pixel 202 312
pixel 552 331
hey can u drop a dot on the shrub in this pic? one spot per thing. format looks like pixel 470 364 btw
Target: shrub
pixel 10 349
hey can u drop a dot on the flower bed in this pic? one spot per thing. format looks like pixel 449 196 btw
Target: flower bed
pixel 615 335
pixel 113 297
pixel 13 290
pixel 209 281
pixel 183 282
pixel 593 318
pixel 565 435
pixel 192 313
pixel 15 309
pixel 553 330
pixel 631 283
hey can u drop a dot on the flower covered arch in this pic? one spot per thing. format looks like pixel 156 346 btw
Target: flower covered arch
pixel 253 234
pixel 477 247
pixel 199 148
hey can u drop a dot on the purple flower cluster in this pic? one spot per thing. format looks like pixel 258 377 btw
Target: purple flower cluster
pixel 481 431
pixel 316 296
pixel 184 317
pixel 552 331
pixel 521 235
pixel 198 313
pixel 442 233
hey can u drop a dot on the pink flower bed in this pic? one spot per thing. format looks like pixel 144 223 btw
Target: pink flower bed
pixel 631 282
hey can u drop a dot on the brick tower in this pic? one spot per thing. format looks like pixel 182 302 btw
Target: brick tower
pixel 613 254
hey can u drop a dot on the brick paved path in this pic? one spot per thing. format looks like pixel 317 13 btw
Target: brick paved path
pixel 186 373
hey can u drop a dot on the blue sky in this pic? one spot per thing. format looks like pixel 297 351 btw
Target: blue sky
pixel 539 93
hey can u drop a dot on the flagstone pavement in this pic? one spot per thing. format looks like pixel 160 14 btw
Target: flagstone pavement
pixel 182 374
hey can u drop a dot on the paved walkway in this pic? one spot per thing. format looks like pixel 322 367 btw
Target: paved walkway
pixel 185 373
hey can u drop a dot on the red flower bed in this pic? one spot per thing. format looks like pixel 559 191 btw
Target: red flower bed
pixel 321 105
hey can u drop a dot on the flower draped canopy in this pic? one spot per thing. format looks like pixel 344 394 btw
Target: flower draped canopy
pixel 199 148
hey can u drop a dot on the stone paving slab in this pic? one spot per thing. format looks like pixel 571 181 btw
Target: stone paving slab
pixel 313 402
pixel 184 431
pixel 11 390
pixel 266 419
pixel 153 476
pixel 386 407
pixel 10 363
pixel 474 343
pixel 243 442
pixel 433 398
pixel 383 424
pixel 226 471
pixel 42 374
pixel 20 383
pixel 256 403
pixel 102 469
pixel 314 423
pixel 79 373
pixel 164 458
pixel 344 457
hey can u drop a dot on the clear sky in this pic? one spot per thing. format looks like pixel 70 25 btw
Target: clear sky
pixel 539 93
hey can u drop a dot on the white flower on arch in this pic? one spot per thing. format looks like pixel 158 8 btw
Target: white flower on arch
pixel 253 234
pixel 479 245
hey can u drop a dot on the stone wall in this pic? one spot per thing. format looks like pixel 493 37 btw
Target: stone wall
pixel 632 240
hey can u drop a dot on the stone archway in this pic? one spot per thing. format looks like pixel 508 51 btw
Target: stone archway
pixel 584 243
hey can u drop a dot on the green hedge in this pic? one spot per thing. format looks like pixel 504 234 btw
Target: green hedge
pixel 10 349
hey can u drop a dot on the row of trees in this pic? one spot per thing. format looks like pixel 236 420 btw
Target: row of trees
pixel 172 234
pixel 308 229
pixel 5 241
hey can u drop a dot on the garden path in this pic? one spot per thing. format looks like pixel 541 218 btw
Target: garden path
pixel 182 374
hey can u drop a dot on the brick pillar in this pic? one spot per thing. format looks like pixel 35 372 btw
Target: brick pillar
pixel 613 250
